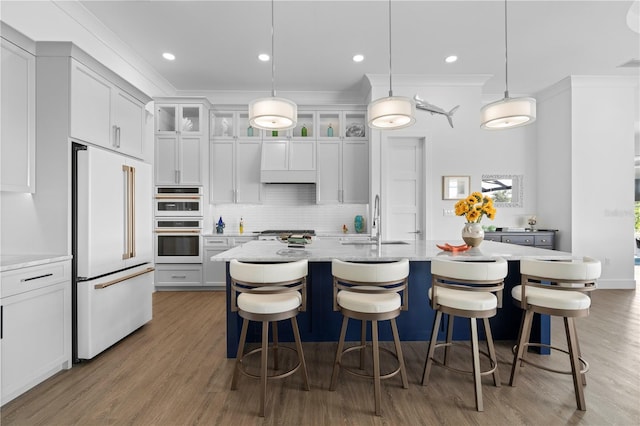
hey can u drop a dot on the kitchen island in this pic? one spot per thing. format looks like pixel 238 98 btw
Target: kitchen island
pixel 321 324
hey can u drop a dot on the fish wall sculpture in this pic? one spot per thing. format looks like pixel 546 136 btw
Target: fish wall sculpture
pixel 433 109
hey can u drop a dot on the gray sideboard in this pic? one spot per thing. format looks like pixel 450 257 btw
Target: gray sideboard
pixel 542 239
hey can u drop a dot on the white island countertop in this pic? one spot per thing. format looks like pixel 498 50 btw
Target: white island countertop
pixel 326 250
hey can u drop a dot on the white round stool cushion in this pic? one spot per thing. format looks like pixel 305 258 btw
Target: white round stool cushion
pixel 370 272
pixel 461 269
pixel 268 303
pixel 586 269
pixel 554 299
pixel 369 302
pixel 465 300
pixel 268 272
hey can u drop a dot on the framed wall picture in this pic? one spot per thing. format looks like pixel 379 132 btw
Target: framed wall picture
pixel 455 187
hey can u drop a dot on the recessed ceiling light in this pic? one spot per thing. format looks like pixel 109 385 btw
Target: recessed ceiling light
pixel 451 59
pixel 263 57
pixel 169 56
pixel 358 58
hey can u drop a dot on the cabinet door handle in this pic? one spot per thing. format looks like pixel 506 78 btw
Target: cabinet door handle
pixel 35 278
pixel 178 276
pixel 116 136
pixel 1 321
pixel 177 176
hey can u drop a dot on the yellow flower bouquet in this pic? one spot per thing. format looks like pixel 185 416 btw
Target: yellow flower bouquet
pixel 475 206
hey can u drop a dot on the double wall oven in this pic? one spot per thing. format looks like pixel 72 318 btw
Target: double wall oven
pixel 178 225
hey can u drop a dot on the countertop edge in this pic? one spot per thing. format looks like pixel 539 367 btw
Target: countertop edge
pixel 13 262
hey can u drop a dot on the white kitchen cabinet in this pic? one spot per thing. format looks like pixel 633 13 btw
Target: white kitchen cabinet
pixel 215 272
pixel 18 129
pixel 178 160
pixel 343 171
pixel 234 171
pixel 181 276
pixel 180 143
pixel 104 114
pixel 35 325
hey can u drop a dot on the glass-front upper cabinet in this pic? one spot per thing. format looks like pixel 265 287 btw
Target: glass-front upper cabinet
pixel 231 124
pixel 329 124
pixel 342 124
pixel 305 127
pixel 183 118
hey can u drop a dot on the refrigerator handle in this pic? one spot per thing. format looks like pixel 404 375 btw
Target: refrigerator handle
pixel 132 195
pixel 128 222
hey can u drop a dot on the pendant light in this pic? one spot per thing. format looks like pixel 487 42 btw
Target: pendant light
pixel 508 112
pixel 273 113
pixel 392 112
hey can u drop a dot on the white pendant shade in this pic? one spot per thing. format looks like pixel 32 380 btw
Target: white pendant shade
pixel 273 113
pixel 393 112
pixel 508 113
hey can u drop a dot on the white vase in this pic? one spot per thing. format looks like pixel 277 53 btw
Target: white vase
pixel 472 234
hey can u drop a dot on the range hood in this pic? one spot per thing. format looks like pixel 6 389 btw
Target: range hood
pixel 284 161
pixel 287 176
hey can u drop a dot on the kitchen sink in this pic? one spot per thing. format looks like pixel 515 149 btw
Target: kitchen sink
pixel 370 242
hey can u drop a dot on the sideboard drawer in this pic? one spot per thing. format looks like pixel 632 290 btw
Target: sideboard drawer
pixel 523 240
pixel 543 240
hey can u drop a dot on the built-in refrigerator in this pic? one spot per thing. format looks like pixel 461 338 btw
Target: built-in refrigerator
pixel 112 248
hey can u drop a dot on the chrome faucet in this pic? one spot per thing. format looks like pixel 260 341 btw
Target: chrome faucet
pixel 376 231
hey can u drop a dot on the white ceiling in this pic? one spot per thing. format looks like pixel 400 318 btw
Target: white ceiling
pixel 217 42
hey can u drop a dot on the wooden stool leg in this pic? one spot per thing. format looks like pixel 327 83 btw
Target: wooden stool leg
pixel 243 338
pixel 492 351
pixel 396 339
pixel 432 346
pixel 523 338
pixel 572 343
pixel 274 327
pixel 376 367
pixel 303 364
pixel 263 366
pixel 363 342
pixel 477 382
pixel 450 319
pixel 338 360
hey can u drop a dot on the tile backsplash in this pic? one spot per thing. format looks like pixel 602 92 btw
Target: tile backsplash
pixel 286 206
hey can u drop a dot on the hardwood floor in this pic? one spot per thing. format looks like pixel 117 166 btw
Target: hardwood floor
pixel 173 372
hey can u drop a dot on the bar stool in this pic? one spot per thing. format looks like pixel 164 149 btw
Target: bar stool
pixel 555 288
pixel 469 289
pixel 268 293
pixel 370 292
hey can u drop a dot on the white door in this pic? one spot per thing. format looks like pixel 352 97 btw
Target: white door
pixel 328 184
pixel 402 195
